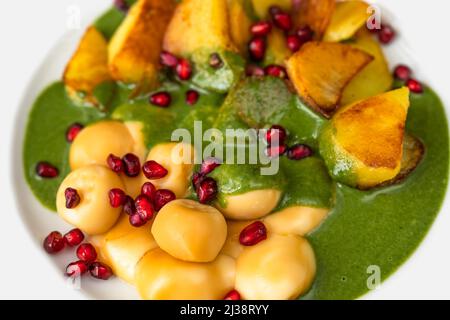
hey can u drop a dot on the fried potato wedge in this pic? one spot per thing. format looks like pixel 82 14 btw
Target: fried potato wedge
pixel 363 144
pixel 277 49
pixel 88 67
pixel 240 23
pixel 375 78
pixel 320 71
pixel 135 47
pixel 199 24
pixel 316 14
pixel 348 18
pixel 261 7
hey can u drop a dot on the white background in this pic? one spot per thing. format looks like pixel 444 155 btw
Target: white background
pixel 29 28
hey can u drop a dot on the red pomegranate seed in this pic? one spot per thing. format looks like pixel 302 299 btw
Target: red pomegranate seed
pixel 192 97
pixel 149 190
pixel 168 60
pixel 276 132
pixel 128 206
pixel 402 72
pixel 73 131
pixel 232 295
pixel 132 165
pixel 100 271
pixel 208 165
pixel 153 170
pixel 136 220
pixel 74 237
pixel 414 86
pixel 207 190
pixel 115 163
pixel 275 71
pixel 283 21
pixel 76 269
pixel 299 151
pixel 122 5
pixel 161 99
pixel 276 151
pixel 163 197
pixel 46 170
pixel 253 234
pixel 257 48
pixel 261 28
pixel 293 42
pixel 252 70
pixel 117 197
pixel 184 69
pixel 215 61
pixel 197 178
pixel 72 198
pixel 54 242
pixel 144 207
pixel 386 35
pixel 86 252
pixel 273 10
pixel 305 34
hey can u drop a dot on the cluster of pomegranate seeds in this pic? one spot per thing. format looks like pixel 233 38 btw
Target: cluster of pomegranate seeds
pixel 73 131
pixel 232 295
pixel 277 71
pixel 192 97
pixel 184 69
pixel 163 197
pixel 100 271
pixel 115 163
pixel 54 242
pixel 161 99
pixel 153 170
pixel 299 152
pixel 74 237
pixel 414 86
pixel 404 73
pixel 215 61
pixel 261 28
pixel 87 253
pixel 207 190
pixel 72 198
pixel 168 60
pixel 122 5
pixel 117 197
pixel 274 132
pixel 253 70
pixel 257 48
pixel 144 207
pixel 46 170
pixel 149 190
pixel 76 269
pixel 208 165
pixel 277 133
pixel 132 165
pixel 253 234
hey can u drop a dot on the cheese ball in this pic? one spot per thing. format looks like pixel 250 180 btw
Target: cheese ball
pixel 279 268
pixel 190 231
pixel 94 214
pixel 159 276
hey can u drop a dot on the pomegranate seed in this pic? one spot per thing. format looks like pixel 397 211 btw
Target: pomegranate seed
pixel 215 61
pixel 207 190
pixel 299 151
pixel 161 99
pixel 100 271
pixel 144 207
pixel 257 48
pixel 163 197
pixel 305 34
pixel 54 242
pixel 115 163
pixel 117 197
pixel 192 97
pixel 275 71
pixel 128 206
pixel 153 170
pixel 46 170
pixel 168 60
pixel 273 10
pixel 197 178
pixel 414 86
pixel 132 165
pixel 121 5
pixel 184 69
pixel 402 72
pixel 208 165
pixel 293 43
pixel 283 21
pixel 261 28
pixel 76 269
pixel 275 151
pixel 253 234
pixel 386 35
pixel 74 237
pixel 72 198
pixel 275 132
pixel 73 131
pixel 136 220
pixel 253 70
pixel 149 190
pixel 86 252
pixel 232 295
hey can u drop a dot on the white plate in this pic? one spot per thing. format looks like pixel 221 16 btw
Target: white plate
pixel 409 281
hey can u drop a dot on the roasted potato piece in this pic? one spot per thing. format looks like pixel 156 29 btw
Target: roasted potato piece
pixel 320 71
pixel 135 47
pixel 277 49
pixel 375 78
pixel 88 68
pixel 363 144
pixel 240 24
pixel 261 7
pixel 347 19
pixel 316 14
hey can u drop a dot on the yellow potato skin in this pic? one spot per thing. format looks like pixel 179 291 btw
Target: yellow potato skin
pixel 190 231
pixel 277 49
pixel 240 24
pixel 279 268
pixel 93 215
pixel 159 276
pixel 316 14
pixel 95 142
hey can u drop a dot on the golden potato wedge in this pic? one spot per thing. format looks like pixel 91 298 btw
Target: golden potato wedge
pixel 375 78
pixel 199 24
pixel 88 67
pixel 348 18
pixel 316 14
pixel 320 71
pixel 277 50
pixel 240 24
pixel 135 47
pixel 261 7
